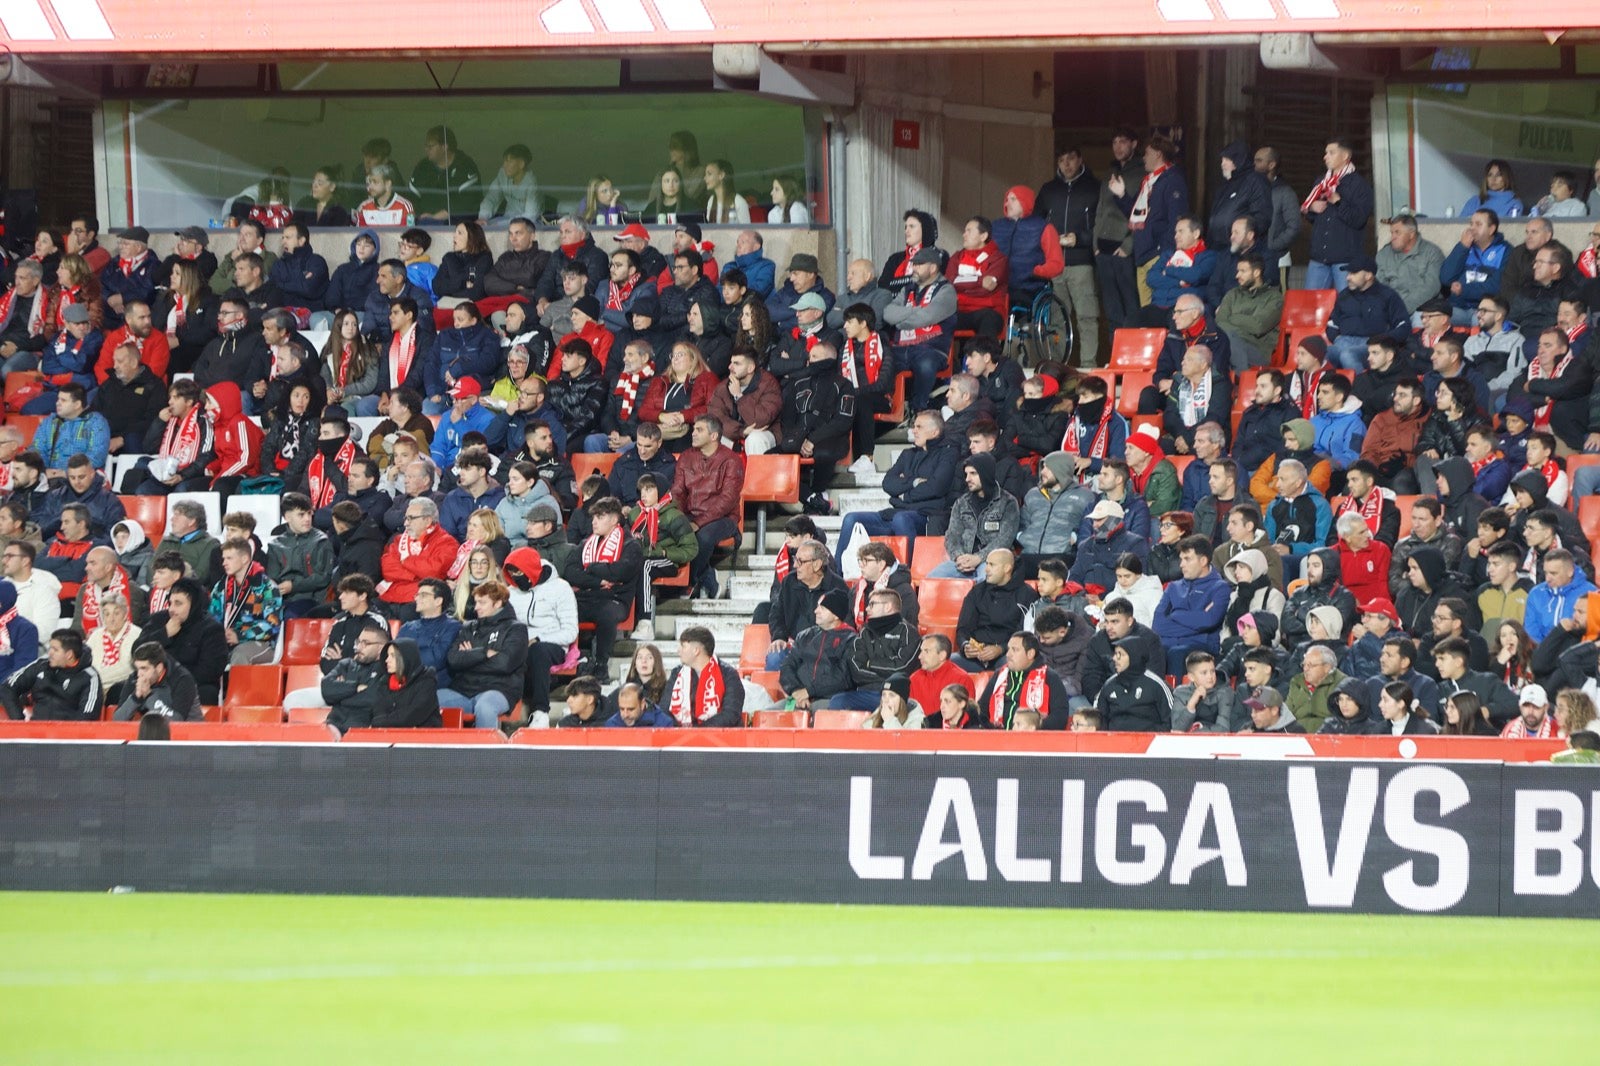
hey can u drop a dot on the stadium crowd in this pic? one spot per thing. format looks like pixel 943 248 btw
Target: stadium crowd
pixel 1372 525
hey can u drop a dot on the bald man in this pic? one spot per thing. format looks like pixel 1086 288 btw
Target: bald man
pixel 861 287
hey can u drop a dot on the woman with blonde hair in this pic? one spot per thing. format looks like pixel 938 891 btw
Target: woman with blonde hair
pixel 1575 713
pixel 78 285
pixel 349 361
pixel 602 203
pixel 473 567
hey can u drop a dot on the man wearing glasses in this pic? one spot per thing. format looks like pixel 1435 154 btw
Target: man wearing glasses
pixel 38 591
pixel 1537 303
pixel 421 550
pixel 351 686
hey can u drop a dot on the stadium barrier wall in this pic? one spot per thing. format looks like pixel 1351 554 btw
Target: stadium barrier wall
pixel 807 826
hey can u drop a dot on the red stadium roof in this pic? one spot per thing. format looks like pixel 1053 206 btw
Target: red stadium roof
pixel 178 28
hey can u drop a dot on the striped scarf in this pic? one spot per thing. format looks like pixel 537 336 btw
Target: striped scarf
pixel 1328 184
pixel 629 386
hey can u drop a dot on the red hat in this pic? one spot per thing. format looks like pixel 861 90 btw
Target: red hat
pixel 1379 605
pixel 466 387
pixel 633 230
pixel 1049 385
pixel 1147 440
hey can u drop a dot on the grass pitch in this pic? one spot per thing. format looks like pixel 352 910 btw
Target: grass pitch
pixel 93 979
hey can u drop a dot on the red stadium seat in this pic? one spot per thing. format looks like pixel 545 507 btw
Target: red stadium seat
pixel 1589 516
pixel 452 717
pixel 753 651
pixel 1181 462
pixel 11 729
pixel 302 675
pixel 269 733
pixel 1133 383
pixel 1404 504
pixel 926 553
pixel 150 512
pixel 27 425
pixel 252 715
pixel 1136 349
pixel 303 640
pixel 769 479
pixel 897 401
pixel 896 545
pixel 1305 313
pixel 778 720
pixel 586 463
pixel 830 719
pixel 940 600
pixel 308 714
pixel 254 686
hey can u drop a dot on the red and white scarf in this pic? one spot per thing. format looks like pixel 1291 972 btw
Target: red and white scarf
pixel 410 546
pixel 1479 464
pixel 1182 258
pixel 346 353
pixel 871 352
pixel 35 313
pixel 1550 470
pixel 463 554
pixel 607 550
pixel 176 317
pixel 1517 729
pixel 1575 333
pixel 904 269
pixel 236 593
pixel 402 351
pixel 629 386
pixel 1102 435
pixel 91 598
pixel 921 334
pixel 617 295
pixel 112 647
pixel 1588 262
pixel 128 266
pixel 649 520
pixel 1303 388
pixel 1369 507
pixel 1329 183
pixel 785 563
pixel 69 297
pixel 158 598
pixel 181 441
pixel 1141 203
pixel 864 589
pixel 1027 689
pixel 5 629
pixel 696 699
pixel 317 480
pixel 1541 414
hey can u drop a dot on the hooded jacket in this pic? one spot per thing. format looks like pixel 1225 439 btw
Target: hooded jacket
pixel 1302 522
pixel 1462 505
pixel 415 702
pixel 1189 616
pixel 818 406
pixel 1245 195
pixel 353 281
pixel 991 613
pixel 1030 244
pixel 1097 663
pixel 1255 595
pixel 200 645
pixel 474 671
pixel 1049 519
pixel 175 696
pixel 350 687
pixel 579 400
pixel 302 277
pixel 1261 433
pixel 819 662
pixel 1325 593
pixel 982 521
pixel 1339 433
pixel 238 440
pixel 1415 606
pixel 1365 721
pixel 105 508
pixel 1136 699
pixel 1037 427
pixel 1145 596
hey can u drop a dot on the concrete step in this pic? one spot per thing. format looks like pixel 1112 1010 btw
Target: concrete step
pixel 847 500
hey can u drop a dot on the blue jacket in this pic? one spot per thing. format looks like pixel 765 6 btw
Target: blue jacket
pixel 466 353
pixel 1168 282
pixel 1376 311
pixel 447 440
pixel 1018 240
pixel 458 505
pixel 1197 484
pixel 1096 563
pixel 435 637
pixel 377 311
pixel 24 644
pixel 1547 606
pixel 934 466
pixel 139 284
pixel 1169 198
pixel 353 281
pixel 1477 269
pixel 1338 434
pixel 617 320
pixel 1321 524
pixel 1135 516
pixel 302 277
pixel 1190 612
pixel 1493 480
pixel 1504 203
pixel 57 440
pixel 760 273
pixel 649 718
pixel 105 507
pixel 780 305
pixel 68 357
pixel 1116 438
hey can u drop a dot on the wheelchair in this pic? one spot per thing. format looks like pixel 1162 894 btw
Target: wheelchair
pixel 1039 329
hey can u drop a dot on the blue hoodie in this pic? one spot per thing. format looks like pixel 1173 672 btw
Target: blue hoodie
pixel 23 634
pixel 1478 271
pixel 1189 616
pixel 353 281
pixel 1547 606
pixel 434 637
pixel 1338 434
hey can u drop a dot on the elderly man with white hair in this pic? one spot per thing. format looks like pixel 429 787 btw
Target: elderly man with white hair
pixel 24 316
pixel 1311 690
pixel 1299 517
pixel 111 645
pixel 1200 395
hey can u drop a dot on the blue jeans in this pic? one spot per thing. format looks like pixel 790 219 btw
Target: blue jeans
pixel 1326 275
pixel 1467 317
pixel 599 444
pixel 486 707
pixel 20 361
pixel 366 406
pixel 321 320
pixel 948 569
pixel 1349 352
pixel 905 523
pixel 926 362
pixel 861 699
pixel 1585 481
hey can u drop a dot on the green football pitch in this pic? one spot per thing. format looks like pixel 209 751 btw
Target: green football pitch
pixel 103 979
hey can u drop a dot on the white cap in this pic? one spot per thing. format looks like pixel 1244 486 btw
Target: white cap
pixel 1105 509
pixel 1534 695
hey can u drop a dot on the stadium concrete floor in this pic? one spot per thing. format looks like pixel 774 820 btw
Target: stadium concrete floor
pixel 145 978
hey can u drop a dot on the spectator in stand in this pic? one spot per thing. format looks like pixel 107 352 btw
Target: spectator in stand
pixel 1189 328
pixel 66 551
pixel 1337 426
pixel 680 397
pixel 68 360
pixel 980 275
pixel 1249 314
pixel 1261 426
pixel 1565 199
pixel 1365 310
pixel 818 666
pixel 80 484
pixel 1338 207
pixel 1553 600
pixel 1201 395
pixel 513 191
pixel 918 485
pixel 27 321
pixel 750 260
pixel 1134 697
pixel 1030 244
pixel 924 320
pixel 702 690
pixel 1534 720
pixel 130 402
pixel 300 274
pixel 818 415
pixel 1244 240
pixel 83 233
pixel 608 582
pixel 994 608
pixel 76 285
pixel 138 329
pixel 1183 267
pixel 796 602
pixel 1298 518
pixel 1472 269
pixel 646 457
pixel 1394 435
pixel 445 183
pixel 1153 207
pixel 248 604
pixel 132 277
pixel 935 671
pixel 71 430
pixel 1243 194
pixel 19 638
pixel 60 687
pixel 300 559
pixel 487 663
pixel 724 205
pixel 1113 236
pixel 1026 683
pixel 707 486
pixel 1536 305
pixel 748 404
pixel 984 519
pixel 1499 350
pixel 1069 202
pixel 1498 192
pixel 423 549
pixel 576 247
pixel 1451 658
pixel 1189 617
pixel 1408 263
pixel 1559 384
pixel 38 593
pixel 921 231
pixel 1094 566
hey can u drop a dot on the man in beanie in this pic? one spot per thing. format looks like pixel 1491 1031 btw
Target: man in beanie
pixel 984 518
pixel 586 326
pixel 1310 365
pixel 1365 310
pixel 818 667
pixel 1052 511
pixel 922 322
pixel 1153 475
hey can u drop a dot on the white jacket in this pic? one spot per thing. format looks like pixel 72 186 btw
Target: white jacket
pixel 39 601
pixel 1145 597
pixel 549 609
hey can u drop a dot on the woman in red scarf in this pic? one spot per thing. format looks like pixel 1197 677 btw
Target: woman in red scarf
pixel 350 363
pixel 78 286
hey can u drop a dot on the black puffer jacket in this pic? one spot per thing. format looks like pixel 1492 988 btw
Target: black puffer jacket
pixel 1246 194
pixel 475 671
pixel 415 704
pixel 1443 436
pixel 818 406
pixel 1415 606
pixel 1097 664
pixel 819 662
pixel 1135 700
pixel 795 606
pixel 1327 592
pixel 517 273
pixel 351 687
pixel 991 613
pixel 463 274
pixel 579 400
pixel 1066 657
pixel 883 648
pixel 595 263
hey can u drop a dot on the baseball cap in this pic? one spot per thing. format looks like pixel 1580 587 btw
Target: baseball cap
pixel 75 313
pixel 1533 694
pixel 1362 263
pixel 634 231
pixel 1106 509
pixel 466 387
pixel 926 255
pixel 810 302
pixel 135 233
pixel 1379 605
pixel 194 233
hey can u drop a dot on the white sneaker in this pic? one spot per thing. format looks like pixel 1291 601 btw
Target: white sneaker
pixel 539 720
pixel 644 631
pixel 864 465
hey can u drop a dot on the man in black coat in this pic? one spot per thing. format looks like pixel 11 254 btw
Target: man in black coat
pixel 489 660
pixel 995 608
pixel 351 684
pixel 918 485
pixel 192 637
pixel 818 667
pixel 612 563
pixel 794 609
pixel 1118 624
pixel 1069 201
pixel 131 400
pixel 819 410
pixel 61 686
pixel 161 686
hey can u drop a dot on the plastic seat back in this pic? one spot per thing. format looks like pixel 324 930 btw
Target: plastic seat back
pixel 1136 349
pixel 771 479
pixel 303 640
